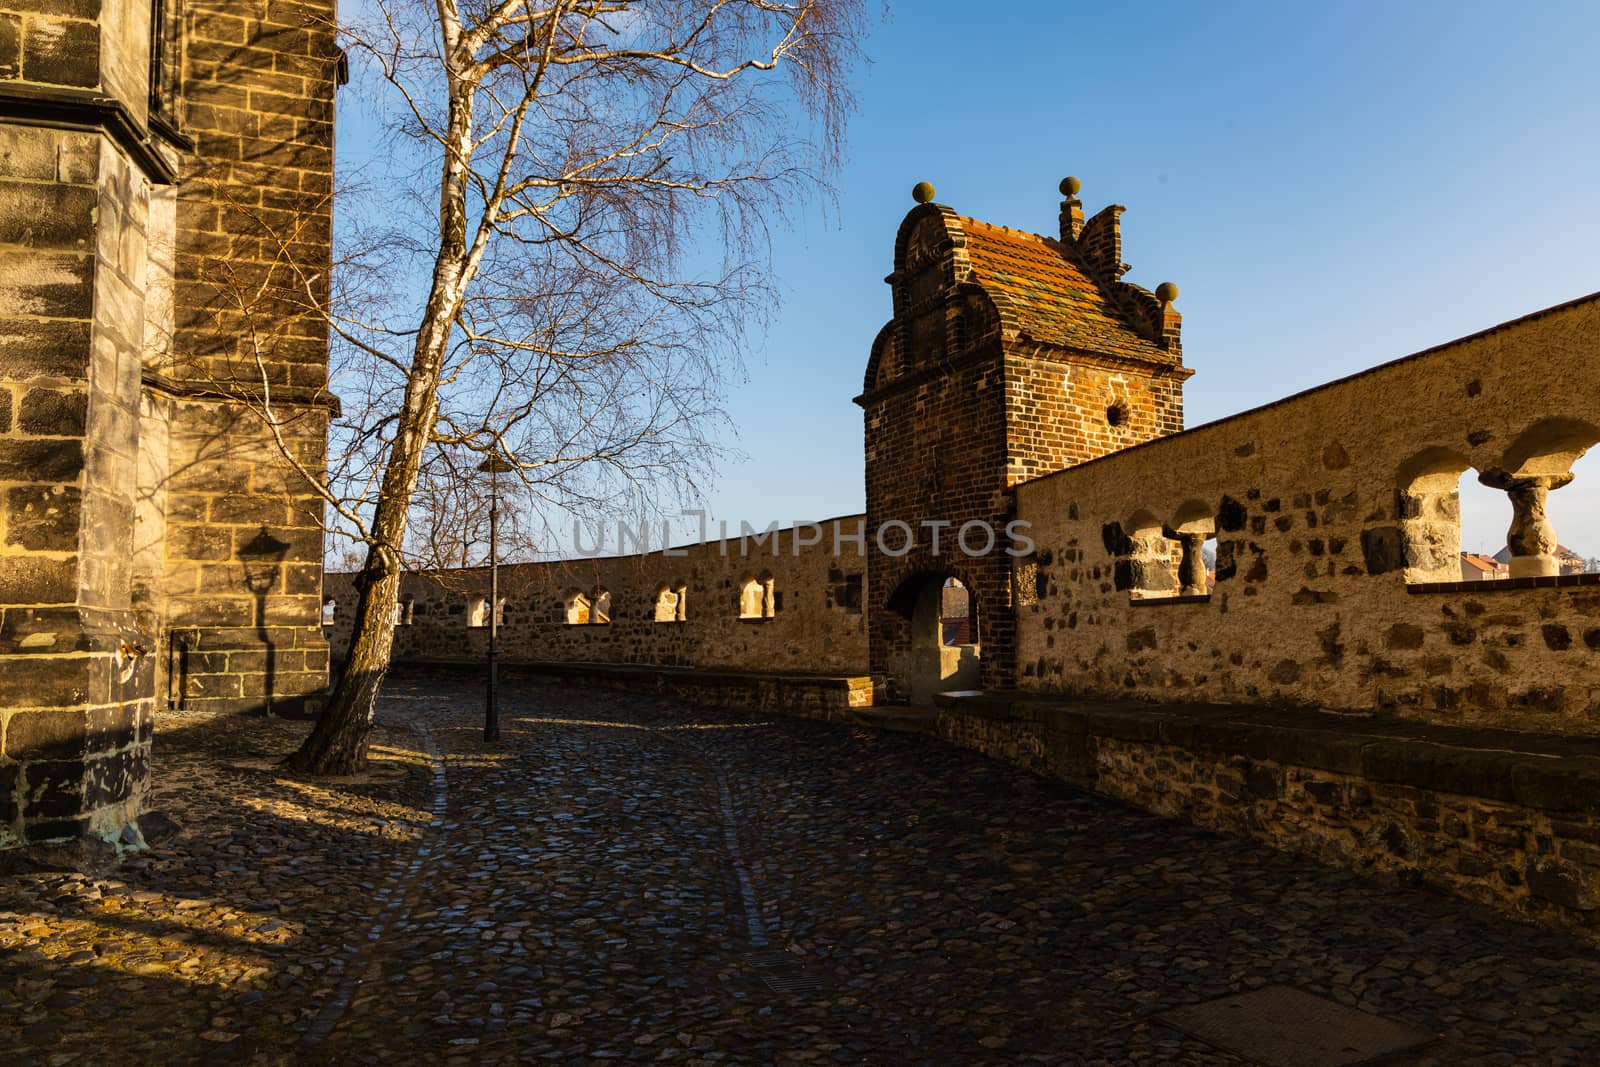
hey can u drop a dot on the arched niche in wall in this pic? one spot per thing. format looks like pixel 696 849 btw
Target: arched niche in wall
pixel 1150 557
pixel 756 596
pixel 1428 509
pixel 575 607
pixel 1193 526
pixel 671 598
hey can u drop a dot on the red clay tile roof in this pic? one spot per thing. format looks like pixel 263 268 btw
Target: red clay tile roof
pixel 1051 298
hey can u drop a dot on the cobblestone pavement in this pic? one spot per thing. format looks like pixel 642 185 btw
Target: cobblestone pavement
pixel 621 879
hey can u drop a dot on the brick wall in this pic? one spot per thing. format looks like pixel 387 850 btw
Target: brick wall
pixel 1064 411
pixel 254 220
pixel 935 451
pixel 1009 356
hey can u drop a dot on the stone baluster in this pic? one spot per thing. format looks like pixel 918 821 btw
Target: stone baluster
pixel 1192 564
pixel 1532 539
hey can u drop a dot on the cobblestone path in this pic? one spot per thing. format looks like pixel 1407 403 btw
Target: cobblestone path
pixel 629 880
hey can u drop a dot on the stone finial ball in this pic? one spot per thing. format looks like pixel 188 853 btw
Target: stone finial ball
pixel 1166 292
pixel 1070 186
pixel 922 192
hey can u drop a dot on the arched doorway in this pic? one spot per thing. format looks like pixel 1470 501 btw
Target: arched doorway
pixel 944 650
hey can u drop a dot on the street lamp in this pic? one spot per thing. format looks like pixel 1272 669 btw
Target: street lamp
pixel 496 466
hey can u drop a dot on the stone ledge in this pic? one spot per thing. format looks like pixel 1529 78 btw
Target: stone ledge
pixel 86 110
pixel 1547 772
pixel 817 692
pixel 1507 585
pixel 1162 601
pixel 641 670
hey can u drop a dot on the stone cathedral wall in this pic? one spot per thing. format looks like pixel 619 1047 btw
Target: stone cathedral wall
pixel 165 229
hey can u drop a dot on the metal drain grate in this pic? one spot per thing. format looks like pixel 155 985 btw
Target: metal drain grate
pixel 793 983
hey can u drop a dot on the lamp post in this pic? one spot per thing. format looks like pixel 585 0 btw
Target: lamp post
pixel 496 466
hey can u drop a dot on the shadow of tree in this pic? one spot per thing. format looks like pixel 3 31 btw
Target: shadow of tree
pixel 225 941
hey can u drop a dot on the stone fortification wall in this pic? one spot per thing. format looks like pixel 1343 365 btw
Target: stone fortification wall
pixel 1335 514
pixel 735 604
pixel 1507 819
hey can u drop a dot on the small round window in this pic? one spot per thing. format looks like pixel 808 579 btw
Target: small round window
pixel 1117 414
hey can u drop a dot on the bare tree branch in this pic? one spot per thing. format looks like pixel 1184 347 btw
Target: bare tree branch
pixel 559 258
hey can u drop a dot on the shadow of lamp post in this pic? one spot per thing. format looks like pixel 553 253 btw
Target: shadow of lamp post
pixel 262 557
pixel 495 465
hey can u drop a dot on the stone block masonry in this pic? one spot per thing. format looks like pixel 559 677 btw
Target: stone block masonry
pixel 76 677
pixel 165 181
pixel 239 579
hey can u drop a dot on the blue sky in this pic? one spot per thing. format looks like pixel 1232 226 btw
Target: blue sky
pixel 1331 186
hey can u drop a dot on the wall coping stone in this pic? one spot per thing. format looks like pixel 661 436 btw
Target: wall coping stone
pixel 1157 443
pixel 1546 771
pixel 1507 585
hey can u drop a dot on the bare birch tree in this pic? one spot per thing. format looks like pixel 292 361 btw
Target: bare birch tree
pixel 566 262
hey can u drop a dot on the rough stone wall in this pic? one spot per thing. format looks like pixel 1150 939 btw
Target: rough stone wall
pixel 240 528
pixel 817 623
pixel 1518 857
pixel 1324 505
pixel 1537 863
